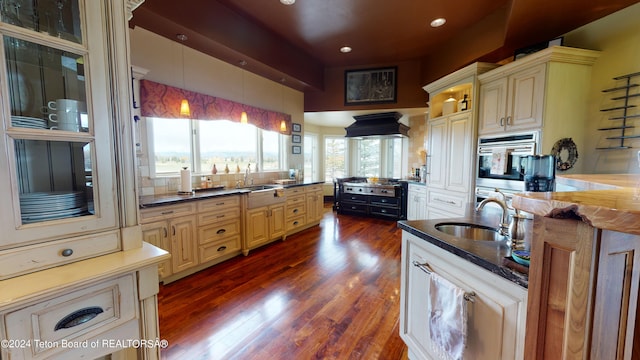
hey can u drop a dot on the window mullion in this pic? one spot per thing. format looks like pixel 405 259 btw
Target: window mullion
pixel 195 147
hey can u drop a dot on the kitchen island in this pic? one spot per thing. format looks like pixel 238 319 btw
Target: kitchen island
pixel 584 276
pixel 495 292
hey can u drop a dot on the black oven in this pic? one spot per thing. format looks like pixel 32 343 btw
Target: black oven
pixel 501 161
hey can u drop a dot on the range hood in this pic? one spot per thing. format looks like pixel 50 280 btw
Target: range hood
pixel 381 124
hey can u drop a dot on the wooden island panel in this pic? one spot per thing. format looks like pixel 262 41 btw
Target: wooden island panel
pixel 559 289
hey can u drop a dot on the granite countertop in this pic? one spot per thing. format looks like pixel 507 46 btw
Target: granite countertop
pixel 489 255
pixel 169 199
pixel 615 206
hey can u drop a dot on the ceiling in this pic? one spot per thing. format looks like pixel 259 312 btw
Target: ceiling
pixel 299 44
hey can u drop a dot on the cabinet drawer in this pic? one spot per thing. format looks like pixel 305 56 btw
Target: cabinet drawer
pixel 295 223
pixel 417 188
pixel 294 191
pixel 354 207
pixel 75 316
pixel 213 217
pixel 295 199
pixel 296 209
pixel 385 201
pixel 29 258
pixel 218 231
pixel 385 211
pixel 166 212
pixel 448 202
pixel 219 203
pixel 219 249
pixel 313 188
pixel 355 198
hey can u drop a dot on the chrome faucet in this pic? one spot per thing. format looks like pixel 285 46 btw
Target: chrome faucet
pixel 504 224
pixel 246 174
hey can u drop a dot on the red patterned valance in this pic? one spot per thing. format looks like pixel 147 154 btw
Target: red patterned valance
pixel 163 101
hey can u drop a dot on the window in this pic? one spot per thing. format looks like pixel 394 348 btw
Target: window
pixel 335 152
pixel 369 157
pixel 311 159
pixel 220 142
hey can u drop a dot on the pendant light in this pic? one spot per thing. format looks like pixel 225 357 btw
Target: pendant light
pixel 243 117
pixel 184 104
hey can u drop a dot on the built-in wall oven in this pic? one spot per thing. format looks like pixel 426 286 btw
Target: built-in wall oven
pixel 501 162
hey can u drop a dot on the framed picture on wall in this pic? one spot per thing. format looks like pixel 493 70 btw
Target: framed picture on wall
pixel 296 149
pixel 296 139
pixel 370 86
pixel 295 127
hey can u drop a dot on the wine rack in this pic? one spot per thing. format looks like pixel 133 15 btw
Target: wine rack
pixel 623 127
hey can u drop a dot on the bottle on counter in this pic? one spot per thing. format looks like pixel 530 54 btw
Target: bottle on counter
pixel 214 170
pixel 226 168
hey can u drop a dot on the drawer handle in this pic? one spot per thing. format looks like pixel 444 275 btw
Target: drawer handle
pixel 295 211
pixel 67 252
pixel 222 248
pixel 78 317
pixel 221 231
pixel 219 216
pixel 295 222
pixel 469 296
pixel 222 203
pixel 167 212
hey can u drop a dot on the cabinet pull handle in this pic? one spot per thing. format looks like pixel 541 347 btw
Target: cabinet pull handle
pixel 219 216
pixel 167 212
pixel 295 222
pixel 166 233
pixel 220 203
pixel 78 317
pixel 295 211
pixel 173 230
pixel 67 252
pixel 222 248
pixel 468 295
pixel 221 231
pixel 501 121
pixel 509 120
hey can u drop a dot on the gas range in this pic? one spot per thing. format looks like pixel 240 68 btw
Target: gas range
pixel 365 188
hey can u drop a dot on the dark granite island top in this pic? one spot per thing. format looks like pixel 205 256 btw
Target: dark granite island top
pixel 489 255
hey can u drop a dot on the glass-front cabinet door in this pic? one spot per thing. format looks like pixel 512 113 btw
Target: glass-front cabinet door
pixel 57 178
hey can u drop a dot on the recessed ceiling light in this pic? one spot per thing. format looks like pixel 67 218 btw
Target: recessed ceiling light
pixel 345 49
pixel 438 22
pixel 288 2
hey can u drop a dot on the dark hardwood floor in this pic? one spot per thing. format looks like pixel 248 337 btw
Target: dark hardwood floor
pixel 329 292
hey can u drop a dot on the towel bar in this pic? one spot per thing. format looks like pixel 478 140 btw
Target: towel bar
pixel 468 296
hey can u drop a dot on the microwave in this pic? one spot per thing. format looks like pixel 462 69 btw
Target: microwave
pixel 501 160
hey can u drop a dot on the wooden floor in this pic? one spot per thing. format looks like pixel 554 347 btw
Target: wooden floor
pixel 329 292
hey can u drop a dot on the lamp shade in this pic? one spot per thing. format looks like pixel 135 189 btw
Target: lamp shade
pixel 184 108
pixel 283 126
pixel 243 118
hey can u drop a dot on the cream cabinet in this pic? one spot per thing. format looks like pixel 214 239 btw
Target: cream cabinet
pixel 219 228
pixel 263 225
pixel 57 170
pixel 296 209
pixel 416 202
pixel 198 234
pixel 496 307
pixel 315 204
pixel 451 140
pixel 547 91
pixel 514 102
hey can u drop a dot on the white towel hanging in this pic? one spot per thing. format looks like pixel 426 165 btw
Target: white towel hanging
pixel 447 314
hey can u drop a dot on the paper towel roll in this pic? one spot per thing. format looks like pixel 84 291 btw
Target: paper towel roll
pixel 185 180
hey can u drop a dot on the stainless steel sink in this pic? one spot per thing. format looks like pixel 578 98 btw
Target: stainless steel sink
pixel 263 195
pixel 260 187
pixel 471 231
